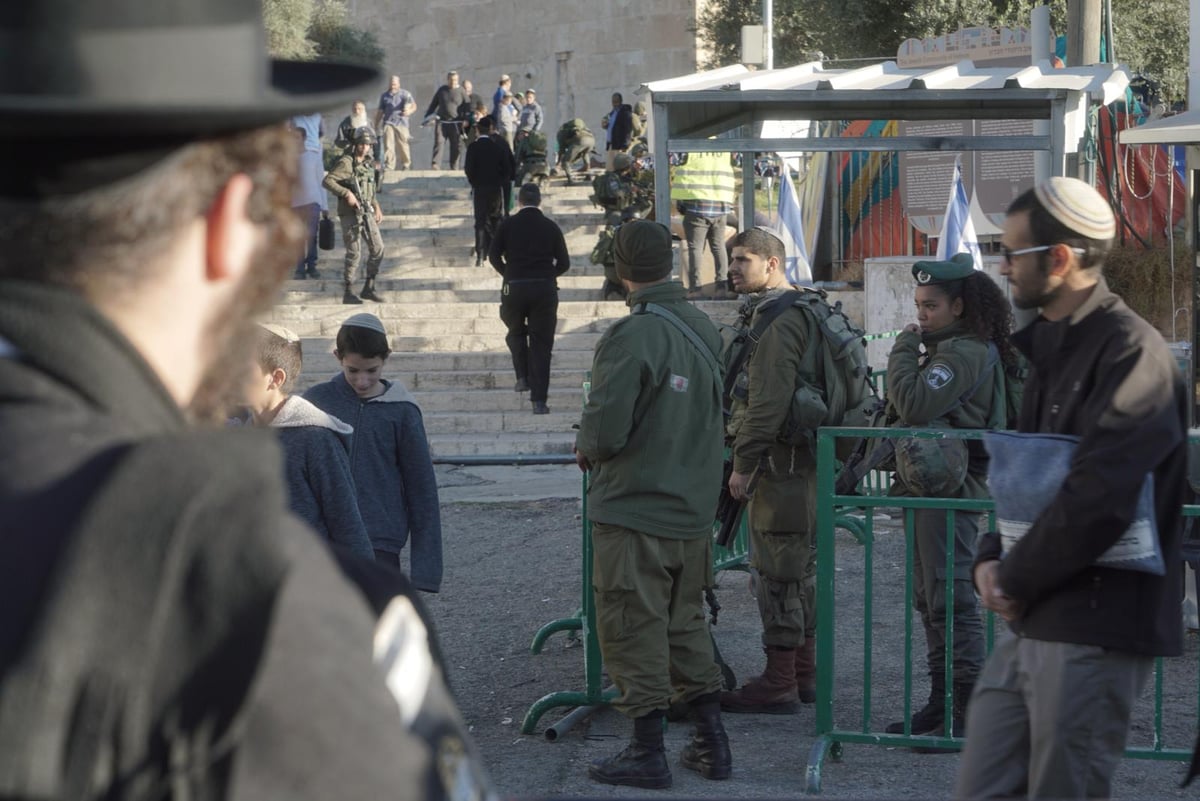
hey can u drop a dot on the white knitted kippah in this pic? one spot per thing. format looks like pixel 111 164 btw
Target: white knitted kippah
pixel 365 320
pixel 1078 206
pixel 286 334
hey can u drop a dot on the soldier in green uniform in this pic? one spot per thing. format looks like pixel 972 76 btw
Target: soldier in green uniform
pixel 963 323
pixel 782 509
pixel 352 179
pixel 651 438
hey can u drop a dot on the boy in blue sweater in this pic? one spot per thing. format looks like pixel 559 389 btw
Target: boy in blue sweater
pixel 389 454
pixel 316 462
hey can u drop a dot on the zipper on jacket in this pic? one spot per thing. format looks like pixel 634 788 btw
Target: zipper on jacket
pixel 1095 592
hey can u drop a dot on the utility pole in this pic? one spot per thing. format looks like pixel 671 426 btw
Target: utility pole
pixel 769 32
pixel 1083 32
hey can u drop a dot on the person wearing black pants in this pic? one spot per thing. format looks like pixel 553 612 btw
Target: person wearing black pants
pixel 530 252
pixel 489 167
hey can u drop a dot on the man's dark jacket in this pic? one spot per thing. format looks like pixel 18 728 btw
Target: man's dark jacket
pixel 489 162
pixel 622 128
pixel 1106 376
pixel 529 246
pixel 167 625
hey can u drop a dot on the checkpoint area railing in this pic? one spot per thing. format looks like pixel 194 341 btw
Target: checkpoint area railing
pixel 838 703
pixel 583 622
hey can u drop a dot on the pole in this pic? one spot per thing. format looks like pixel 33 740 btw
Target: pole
pixel 1083 32
pixel 769 32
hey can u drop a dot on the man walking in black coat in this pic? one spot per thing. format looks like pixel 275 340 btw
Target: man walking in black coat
pixel 489 167
pixel 530 252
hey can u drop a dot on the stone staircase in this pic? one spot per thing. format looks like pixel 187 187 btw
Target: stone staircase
pixel 442 316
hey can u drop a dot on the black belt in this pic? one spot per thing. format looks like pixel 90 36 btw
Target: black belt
pixel 527 280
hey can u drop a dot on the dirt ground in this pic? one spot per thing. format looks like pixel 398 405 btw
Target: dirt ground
pixel 512 567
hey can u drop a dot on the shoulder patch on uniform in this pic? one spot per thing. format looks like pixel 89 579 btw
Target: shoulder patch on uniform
pixel 678 383
pixel 939 376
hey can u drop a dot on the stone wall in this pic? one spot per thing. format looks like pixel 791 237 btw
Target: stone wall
pixel 575 53
pixel 889 291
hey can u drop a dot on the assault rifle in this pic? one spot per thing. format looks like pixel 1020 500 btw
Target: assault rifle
pixel 358 194
pixel 729 509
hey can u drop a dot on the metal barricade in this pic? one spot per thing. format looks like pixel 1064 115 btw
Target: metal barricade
pixel 831 735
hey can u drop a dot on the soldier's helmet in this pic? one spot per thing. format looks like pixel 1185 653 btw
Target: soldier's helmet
pixel 639 150
pixel 622 161
pixel 932 468
pixel 363 136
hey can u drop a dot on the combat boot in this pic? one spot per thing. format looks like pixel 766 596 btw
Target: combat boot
pixel 348 296
pixel 806 670
pixel 927 719
pixel 773 693
pixel 368 291
pixel 958 718
pixel 707 752
pixel 643 763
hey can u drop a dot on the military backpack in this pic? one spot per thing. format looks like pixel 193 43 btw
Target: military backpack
pixel 609 191
pixel 839 356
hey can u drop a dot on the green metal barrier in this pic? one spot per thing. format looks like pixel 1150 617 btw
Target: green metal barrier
pixel 831 736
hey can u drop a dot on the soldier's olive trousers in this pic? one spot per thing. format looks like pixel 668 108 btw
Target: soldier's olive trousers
pixel 929 592
pixel 650 617
pixel 354 230
pixel 784 561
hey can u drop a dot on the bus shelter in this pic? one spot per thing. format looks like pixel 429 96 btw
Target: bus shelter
pixel 734 102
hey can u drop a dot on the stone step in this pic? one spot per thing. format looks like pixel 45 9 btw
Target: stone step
pixel 588 290
pixel 501 379
pixel 487 328
pixel 401 314
pixel 454 214
pixel 404 365
pixel 501 444
pixel 585 341
pixel 554 205
pixel 418 239
pixel 493 401
pixel 559 420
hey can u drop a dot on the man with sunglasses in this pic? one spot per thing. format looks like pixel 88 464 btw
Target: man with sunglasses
pixel 1050 712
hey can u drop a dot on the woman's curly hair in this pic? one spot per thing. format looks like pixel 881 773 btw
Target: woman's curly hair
pixel 986 312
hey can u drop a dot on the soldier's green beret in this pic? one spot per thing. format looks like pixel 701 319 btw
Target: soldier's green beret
pixel 960 266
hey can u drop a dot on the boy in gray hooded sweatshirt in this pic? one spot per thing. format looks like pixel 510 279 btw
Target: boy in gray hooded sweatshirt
pixel 389 453
pixel 315 445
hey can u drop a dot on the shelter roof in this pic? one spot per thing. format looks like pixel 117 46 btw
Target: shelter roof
pixel 715 100
pixel 1179 129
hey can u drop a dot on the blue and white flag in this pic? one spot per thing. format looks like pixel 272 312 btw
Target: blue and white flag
pixel 958 232
pixel 791 228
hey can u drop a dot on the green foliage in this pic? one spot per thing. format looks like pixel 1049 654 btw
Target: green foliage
pixel 287 24
pixel 317 29
pixel 336 38
pixel 1151 35
pixel 721 21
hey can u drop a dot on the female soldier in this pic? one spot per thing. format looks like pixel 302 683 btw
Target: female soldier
pixel 963 323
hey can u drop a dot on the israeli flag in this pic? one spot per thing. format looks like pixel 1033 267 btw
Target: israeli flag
pixel 791 228
pixel 958 232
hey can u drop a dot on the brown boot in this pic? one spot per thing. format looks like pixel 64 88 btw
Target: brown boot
pixel 772 693
pixel 806 670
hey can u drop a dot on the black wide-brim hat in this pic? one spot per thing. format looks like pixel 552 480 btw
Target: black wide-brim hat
pixel 84 68
pixel 97 84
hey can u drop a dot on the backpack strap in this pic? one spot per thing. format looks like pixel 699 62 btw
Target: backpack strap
pixel 765 317
pixel 688 332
